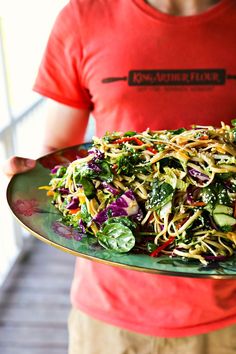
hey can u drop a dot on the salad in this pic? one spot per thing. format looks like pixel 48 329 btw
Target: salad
pixel 169 192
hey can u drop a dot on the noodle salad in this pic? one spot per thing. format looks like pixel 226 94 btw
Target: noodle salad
pixel 169 192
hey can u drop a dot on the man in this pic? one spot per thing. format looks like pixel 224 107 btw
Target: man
pixel 137 64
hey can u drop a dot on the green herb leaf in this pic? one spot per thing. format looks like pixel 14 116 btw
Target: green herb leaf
pixel 151 247
pixel 61 171
pixel 116 237
pixel 161 194
pixel 106 173
pixel 215 194
pixel 121 220
pixel 88 186
pixel 226 228
pixel 177 131
pixel 84 214
pixel 129 133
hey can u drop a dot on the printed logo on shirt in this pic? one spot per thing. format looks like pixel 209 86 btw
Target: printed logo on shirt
pixel 183 77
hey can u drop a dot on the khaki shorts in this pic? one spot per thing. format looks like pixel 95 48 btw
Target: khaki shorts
pixel 90 336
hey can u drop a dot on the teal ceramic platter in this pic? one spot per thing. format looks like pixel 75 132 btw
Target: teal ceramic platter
pixel 33 209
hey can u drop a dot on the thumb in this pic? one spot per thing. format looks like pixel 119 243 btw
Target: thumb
pixel 17 164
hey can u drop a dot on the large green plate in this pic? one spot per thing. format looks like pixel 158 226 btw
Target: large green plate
pixel 32 208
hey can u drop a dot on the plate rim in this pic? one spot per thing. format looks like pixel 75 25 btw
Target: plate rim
pixel 97 259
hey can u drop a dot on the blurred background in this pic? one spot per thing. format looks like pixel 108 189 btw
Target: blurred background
pixel 34 278
pixel 24 28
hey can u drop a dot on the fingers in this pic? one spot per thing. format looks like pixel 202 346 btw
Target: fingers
pixel 17 164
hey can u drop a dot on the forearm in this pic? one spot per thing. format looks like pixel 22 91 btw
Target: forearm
pixel 65 126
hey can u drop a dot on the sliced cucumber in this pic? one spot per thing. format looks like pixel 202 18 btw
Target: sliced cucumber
pixel 224 220
pixel 165 210
pixel 223 209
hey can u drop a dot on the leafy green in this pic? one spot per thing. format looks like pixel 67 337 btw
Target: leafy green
pixel 99 170
pixel 234 134
pixel 122 220
pixel 70 220
pixel 151 247
pixel 177 131
pixel 129 133
pixel 86 172
pixel 161 194
pixel 106 173
pixel 126 163
pixel 225 176
pixel 209 195
pixel 215 194
pixel 170 162
pixel 223 196
pixel 84 214
pixel 226 228
pixel 108 137
pixel 61 171
pixel 88 186
pixel 117 237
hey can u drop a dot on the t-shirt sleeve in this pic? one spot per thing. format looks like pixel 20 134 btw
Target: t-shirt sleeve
pixel 59 76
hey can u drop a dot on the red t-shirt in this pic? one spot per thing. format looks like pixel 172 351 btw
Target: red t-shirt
pixel 135 68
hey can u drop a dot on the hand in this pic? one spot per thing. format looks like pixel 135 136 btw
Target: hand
pixel 16 164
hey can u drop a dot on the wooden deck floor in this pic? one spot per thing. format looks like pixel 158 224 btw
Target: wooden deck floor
pixel 34 303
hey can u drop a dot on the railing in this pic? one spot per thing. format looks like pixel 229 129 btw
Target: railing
pixel 13 139
pixel 21 132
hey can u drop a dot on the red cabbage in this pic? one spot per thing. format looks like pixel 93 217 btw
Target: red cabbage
pixel 82 226
pixel 55 169
pixel 94 167
pixel 125 205
pixel 110 188
pixel 198 175
pixel 215 258
pixel 63 190
pixel 98 155
pixel 73 204
pixel 192 194
pixel 138 216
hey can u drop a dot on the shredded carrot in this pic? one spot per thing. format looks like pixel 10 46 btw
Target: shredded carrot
pixel 152 150
pixel 198 204
pixel 204 137
pixel 136 140
pixel 158 250
pixel 127 139
pixel 74 211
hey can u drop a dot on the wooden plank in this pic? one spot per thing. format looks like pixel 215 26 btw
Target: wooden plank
pixel 32 350
pixel 45 268
pixel 43 282
pixel 31 298
pixel 46 250
pixel 33 336
pixel 60 269
pixel 23 289
pixel 51 249
pixel 35 303
pixel 25 305
pixel 40 245
pixel 50 257
pixel 38 315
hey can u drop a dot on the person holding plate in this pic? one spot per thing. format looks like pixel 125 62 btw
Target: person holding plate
pixel 133 65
